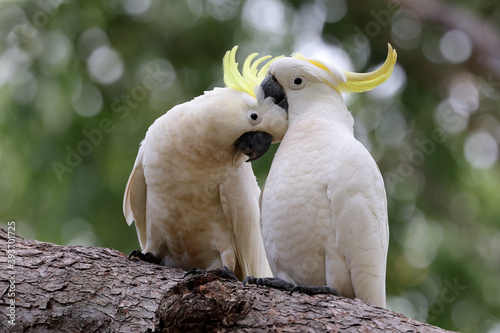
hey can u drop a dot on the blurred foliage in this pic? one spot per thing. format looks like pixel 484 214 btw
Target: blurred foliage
pixel 77 94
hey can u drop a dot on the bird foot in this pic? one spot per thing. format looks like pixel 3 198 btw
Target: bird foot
pixel 223 272
pixel 147 257
pixel 194 271
pixel 275 283
pixel 314 290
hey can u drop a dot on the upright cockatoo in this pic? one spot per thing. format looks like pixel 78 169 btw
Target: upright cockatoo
pixel 324 207
pixel 192 196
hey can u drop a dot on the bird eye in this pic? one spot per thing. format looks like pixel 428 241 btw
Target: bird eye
pixel 297 82
pixel 254 117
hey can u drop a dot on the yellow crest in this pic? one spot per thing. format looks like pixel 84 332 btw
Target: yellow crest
pixel 359 82
pixel 250 76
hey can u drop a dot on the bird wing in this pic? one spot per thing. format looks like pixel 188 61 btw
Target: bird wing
pixel 134 200
pixel 359 217
pixel 239 196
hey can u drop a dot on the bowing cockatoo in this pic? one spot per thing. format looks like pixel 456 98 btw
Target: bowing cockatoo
pixel 191 193
pixel 324 206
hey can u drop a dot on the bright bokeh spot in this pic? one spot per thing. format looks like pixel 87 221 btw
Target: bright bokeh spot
pixel 406 29
pixel 266 16
pixel 134 7
pixel 12 62
pixel 481 150
pixel 495 328
pixel 79 231
pixel 392 86
pixel 464 96
pixel 57 50
pixel 87 100
pixel 331 55
pixel 336 10
pixel 309 21
pixel 401 305
pixel 223 10
pixel 422 241
pixel 23 87
pixel 90 40
pixel 105 65
pixel 466 314
pixel 449 119
pixel 455 46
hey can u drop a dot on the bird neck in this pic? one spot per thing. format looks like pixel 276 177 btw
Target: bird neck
pixel 331 109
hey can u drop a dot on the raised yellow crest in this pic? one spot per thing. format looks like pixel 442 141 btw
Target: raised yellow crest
pixel 250 76
pixel 359 82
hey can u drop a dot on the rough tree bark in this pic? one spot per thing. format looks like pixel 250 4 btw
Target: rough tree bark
pixel 92 289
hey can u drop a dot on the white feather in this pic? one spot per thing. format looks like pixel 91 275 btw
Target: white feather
pixel 324 210
pixel 192 196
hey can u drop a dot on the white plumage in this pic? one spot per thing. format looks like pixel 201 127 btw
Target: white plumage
pixel 324 208
pixel 192 196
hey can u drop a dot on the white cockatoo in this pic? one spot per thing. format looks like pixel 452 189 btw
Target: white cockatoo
pixel 323 206
pixel 193 197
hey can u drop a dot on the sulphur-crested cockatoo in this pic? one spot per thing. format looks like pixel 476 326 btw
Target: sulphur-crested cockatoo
pixel 193 197
pixel 324 207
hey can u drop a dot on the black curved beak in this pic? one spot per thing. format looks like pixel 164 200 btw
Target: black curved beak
pixel 254 144
pixel 273 89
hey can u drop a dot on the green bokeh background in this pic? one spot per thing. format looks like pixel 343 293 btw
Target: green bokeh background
pixel 70 70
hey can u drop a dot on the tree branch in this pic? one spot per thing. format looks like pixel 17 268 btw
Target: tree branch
pixel 92 289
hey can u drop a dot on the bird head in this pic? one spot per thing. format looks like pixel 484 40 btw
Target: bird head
pixel 261 123
pixel 289 77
